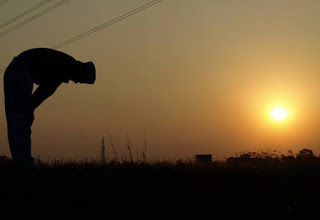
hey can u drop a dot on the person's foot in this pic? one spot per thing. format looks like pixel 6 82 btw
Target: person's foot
pixel 5 162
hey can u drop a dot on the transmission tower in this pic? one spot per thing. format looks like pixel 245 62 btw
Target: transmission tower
pixel 103 155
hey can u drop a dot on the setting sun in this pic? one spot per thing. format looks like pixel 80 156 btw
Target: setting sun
pixel 278 113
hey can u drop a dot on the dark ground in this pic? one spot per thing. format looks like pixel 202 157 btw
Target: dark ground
pixel 248 189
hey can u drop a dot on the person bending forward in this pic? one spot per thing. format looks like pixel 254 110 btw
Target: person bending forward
pixel 47 68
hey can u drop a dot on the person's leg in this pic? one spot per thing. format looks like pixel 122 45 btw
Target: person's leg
pixel 18 88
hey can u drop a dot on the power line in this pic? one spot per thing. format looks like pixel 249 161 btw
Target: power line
pixel 34 17
pixel 2 2
pixel 23 13
pixel 111 22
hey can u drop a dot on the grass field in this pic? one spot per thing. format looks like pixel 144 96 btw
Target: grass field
pixel 250 186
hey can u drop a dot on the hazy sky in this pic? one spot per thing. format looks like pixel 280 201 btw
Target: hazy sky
pixel 189 76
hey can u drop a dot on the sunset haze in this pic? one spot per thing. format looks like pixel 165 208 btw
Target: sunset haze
pixel 187 77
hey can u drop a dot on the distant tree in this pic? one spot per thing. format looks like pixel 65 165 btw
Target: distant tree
pixel 231 159
pixel 305 154
pixel 246 156
pixel 242 157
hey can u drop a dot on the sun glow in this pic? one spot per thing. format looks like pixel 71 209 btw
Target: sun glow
pixel 278 113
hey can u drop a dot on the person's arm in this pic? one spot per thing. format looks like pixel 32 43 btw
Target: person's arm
pixel 43 92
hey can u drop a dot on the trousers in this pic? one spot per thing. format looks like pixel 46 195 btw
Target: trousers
pixel 18 86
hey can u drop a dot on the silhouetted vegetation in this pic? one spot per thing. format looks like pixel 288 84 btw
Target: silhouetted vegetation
pixel 250 185
pixel 304 155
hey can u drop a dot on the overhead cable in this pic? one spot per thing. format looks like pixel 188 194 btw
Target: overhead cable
pixel 2 2
pixel 34 17
pixel 109 23
pixel 23 13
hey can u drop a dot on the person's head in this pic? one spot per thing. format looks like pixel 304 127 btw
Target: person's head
pixel 87 76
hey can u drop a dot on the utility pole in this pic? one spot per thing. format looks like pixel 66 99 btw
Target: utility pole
pixel 129 148
pixel 103 155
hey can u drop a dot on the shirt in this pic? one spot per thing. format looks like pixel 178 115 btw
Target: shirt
pixel 48 65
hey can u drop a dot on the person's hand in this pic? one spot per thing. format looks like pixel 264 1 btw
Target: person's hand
pixel 30 118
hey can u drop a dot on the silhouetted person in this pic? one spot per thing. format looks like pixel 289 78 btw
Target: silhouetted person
pixel 47 68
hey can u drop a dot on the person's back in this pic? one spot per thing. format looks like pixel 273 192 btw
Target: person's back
pixel 48 65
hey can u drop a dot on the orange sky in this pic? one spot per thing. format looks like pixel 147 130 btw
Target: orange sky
pixel 190 76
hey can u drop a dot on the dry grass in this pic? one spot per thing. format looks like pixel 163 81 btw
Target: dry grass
pixel 251 184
